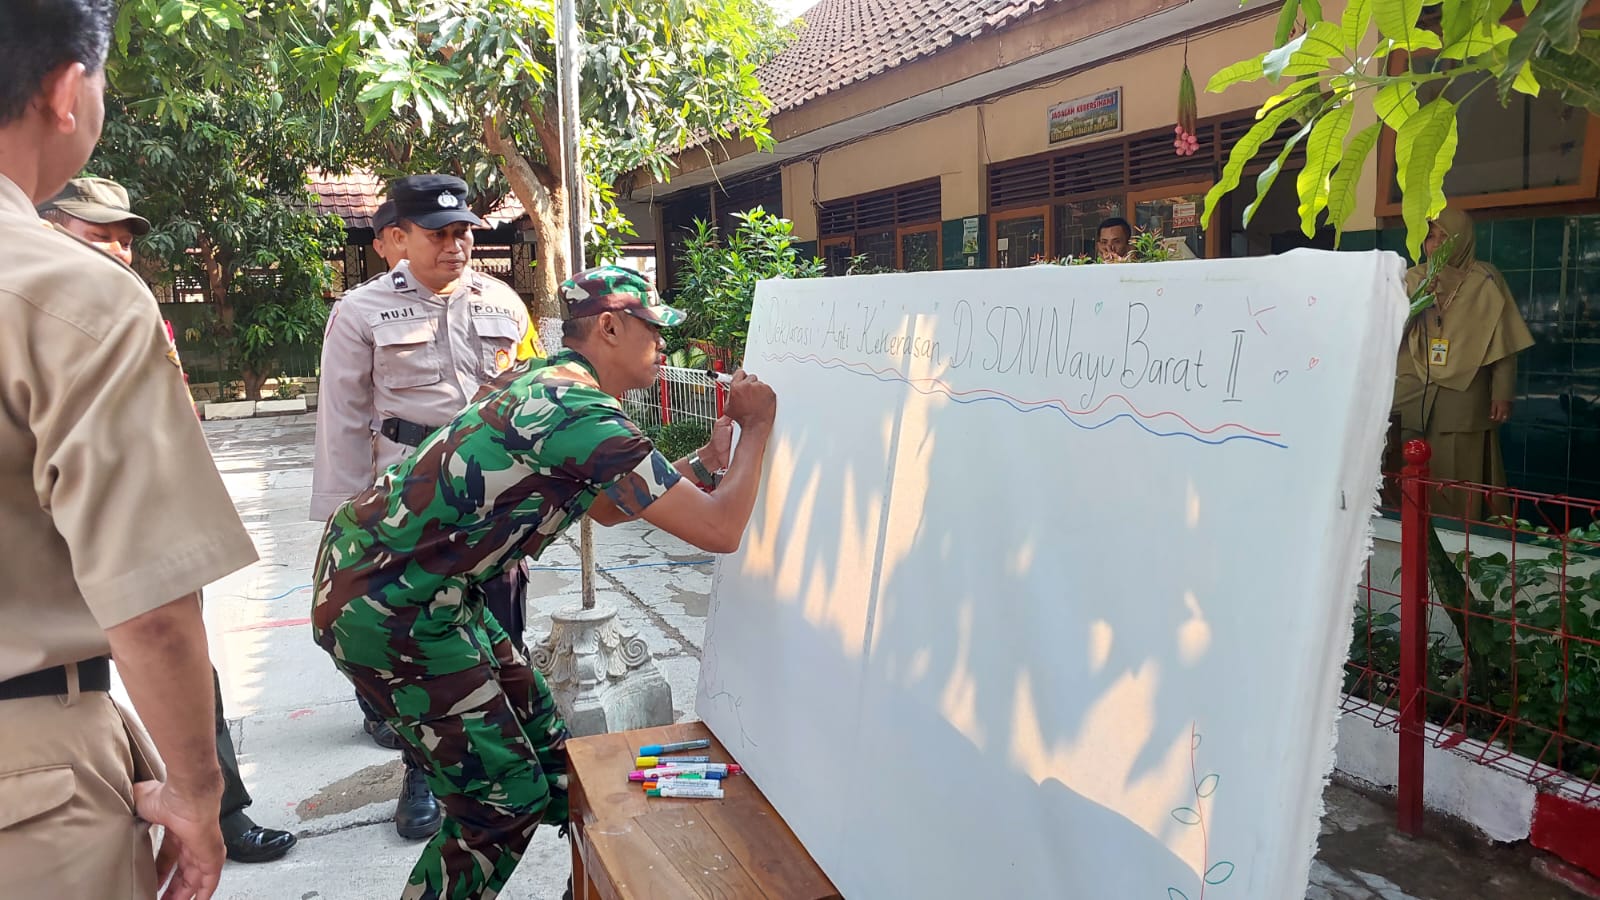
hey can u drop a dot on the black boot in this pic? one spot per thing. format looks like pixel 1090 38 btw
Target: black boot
pixel 417 815
pixel 248 842
pixel 383 734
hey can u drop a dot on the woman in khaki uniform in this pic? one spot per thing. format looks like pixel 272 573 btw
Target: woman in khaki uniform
pixel 1458 366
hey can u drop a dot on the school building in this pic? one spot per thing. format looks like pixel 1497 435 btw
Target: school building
pixel 939 134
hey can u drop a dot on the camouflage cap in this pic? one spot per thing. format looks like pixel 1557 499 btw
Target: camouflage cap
pixel 98 200
pixel 615 289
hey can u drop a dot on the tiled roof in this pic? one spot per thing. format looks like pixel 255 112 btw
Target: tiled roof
pixel 352 197
pixel 846 41
pixel 355 197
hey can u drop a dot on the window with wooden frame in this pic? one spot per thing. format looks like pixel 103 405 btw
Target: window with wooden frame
pixel 917 248
pixel 1050 206
pixel 894 229
pixel 1532 151
pixel 836 254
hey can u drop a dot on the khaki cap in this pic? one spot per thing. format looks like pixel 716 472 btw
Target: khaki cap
pixel 98 200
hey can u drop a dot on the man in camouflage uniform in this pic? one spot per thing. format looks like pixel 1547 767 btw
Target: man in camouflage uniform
pixel 395 603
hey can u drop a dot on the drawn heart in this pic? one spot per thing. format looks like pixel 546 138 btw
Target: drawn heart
pixel 1198 307
pixel 1314 362
pixel 1311 301
pixel 1279 376
pixel 1097 307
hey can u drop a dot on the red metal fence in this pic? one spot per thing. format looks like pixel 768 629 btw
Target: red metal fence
pixel 1485 638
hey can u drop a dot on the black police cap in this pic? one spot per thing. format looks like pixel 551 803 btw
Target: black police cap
pixel 383 216
pixel 431 201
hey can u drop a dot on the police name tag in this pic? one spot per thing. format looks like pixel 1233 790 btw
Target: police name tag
pixel 1438 351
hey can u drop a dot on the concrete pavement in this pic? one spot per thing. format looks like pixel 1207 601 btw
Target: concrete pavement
pixel 311 769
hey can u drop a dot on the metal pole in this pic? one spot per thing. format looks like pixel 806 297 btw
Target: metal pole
pixel 1413 633
pixel 568 47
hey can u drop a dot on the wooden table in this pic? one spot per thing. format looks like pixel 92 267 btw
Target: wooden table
pixel 626 845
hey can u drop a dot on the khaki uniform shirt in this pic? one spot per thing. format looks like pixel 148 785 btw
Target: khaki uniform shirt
pixel 110 504
pixel 395 349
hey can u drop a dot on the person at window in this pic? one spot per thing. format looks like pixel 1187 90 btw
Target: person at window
pixel 1111 241
pixel 1458 365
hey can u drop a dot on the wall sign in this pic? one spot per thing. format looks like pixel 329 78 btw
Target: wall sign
pixel 1095 114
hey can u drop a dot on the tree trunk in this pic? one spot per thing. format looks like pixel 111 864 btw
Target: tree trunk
pixel 539 188
pixel 253 380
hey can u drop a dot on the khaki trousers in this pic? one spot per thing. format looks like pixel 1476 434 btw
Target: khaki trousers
pixel 67 824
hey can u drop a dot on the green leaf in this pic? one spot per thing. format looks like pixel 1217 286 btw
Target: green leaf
pixel 1265 180
pixel 1357 19
pixel 1246 70
pixel 1307 54
pixel 1478 41
pixel 1424 148
pixel 1574 76
pixel 1526 82
pixel 1397 19
pixel 1395 102
pixel 1324 148
pixel 1294 89
pixel 1246 149
pixel 1344 180
pixel 1286 17
pixel 1555 23
pixel 1186 815
pixel 1219 873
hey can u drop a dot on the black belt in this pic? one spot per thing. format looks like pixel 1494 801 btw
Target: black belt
pixel 402 432
pixel 93 675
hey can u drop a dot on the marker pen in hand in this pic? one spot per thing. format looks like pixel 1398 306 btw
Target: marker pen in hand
pixel 719 377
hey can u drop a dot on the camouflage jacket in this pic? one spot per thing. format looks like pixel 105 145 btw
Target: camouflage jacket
pixel 506 476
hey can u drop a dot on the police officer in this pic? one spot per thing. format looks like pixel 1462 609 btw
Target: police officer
pixel 403 353
pixel 112 517
pixel 97 211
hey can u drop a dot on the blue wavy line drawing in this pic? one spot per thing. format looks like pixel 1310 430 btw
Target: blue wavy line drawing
pixel 901 379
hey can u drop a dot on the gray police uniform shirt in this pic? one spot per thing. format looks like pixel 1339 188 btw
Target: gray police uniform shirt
pixel 395 349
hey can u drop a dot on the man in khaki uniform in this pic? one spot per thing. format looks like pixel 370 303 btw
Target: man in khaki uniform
pixel 97 210
pixel 103 558
pixel 402 354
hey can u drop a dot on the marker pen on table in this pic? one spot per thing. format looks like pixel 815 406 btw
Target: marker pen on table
pixel 658 749
pixel 687 776
pixel 717 769
pixel 675 787
pixel 650 762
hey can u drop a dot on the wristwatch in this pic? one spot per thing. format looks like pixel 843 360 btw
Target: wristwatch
pixel 702 474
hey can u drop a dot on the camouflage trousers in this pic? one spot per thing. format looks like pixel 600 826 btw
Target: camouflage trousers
pixel 490 742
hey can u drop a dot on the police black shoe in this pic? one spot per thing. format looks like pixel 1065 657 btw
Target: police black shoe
pixel 248 842
pixel 417 815
pixel 383 734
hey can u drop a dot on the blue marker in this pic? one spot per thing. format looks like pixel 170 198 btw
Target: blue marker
pixel 658 749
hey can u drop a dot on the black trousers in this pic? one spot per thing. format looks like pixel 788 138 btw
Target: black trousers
pixel 234 796
pixel 506 598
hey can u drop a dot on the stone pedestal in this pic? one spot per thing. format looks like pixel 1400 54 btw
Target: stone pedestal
pixel 602 677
